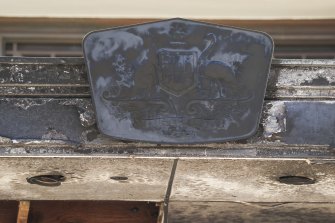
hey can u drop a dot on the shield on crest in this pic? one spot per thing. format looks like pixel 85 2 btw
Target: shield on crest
pixel 177 71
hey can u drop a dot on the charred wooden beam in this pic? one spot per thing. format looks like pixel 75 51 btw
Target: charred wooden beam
pixel 64 77
pixel 72 121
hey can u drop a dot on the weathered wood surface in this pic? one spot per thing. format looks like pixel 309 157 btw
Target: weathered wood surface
pixel 220 212
pixel 253 180
pixel 147 179
pixel 85 178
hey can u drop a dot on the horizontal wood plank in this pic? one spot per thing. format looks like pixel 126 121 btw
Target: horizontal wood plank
pixel 93 212
pixel 234 212
pixel 195 179
pixel 8 211
pixel 254 180
pixel 91 178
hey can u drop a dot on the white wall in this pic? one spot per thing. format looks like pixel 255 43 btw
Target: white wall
pixel 210 9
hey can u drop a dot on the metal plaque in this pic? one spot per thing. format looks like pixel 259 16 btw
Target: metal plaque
pixel 178 81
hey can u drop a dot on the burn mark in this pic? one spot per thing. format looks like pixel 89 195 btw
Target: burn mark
pixel 319 81
pixel 40 119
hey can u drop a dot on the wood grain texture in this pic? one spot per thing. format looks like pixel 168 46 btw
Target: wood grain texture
pixel 253 180
pixel 195 179
pixel 237 212
pixel 8 211
pixel 22 215
pixel 92 212
pixel 91 178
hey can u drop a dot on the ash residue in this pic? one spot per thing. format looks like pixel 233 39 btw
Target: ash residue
pixel 27 103
pixel 5 140
pixel 54 134
pixel 85 110
pixel 319 81
pixel 275 122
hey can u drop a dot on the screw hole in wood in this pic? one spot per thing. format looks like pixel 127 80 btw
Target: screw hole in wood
pixel 119 178
pixel 296 180
pixel 49 180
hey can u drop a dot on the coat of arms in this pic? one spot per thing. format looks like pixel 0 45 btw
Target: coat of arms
pixel 178 81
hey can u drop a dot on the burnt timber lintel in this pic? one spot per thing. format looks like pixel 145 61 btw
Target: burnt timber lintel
pixel 297 118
